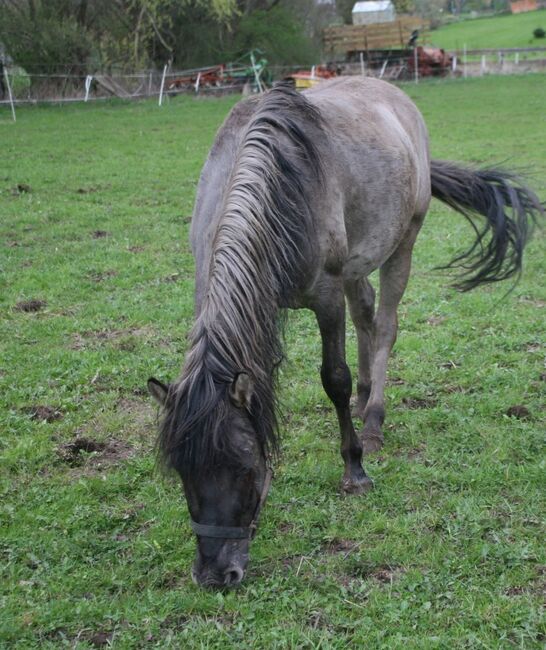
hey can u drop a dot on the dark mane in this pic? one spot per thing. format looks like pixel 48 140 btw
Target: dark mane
pixel 258 259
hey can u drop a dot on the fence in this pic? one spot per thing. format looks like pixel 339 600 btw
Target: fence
pixel 18 87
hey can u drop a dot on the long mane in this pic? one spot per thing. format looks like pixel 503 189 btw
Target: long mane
pixel 258 260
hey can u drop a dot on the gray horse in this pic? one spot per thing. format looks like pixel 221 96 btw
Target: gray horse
pixel 301 198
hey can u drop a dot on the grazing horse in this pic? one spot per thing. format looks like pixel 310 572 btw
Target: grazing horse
pixel 301 198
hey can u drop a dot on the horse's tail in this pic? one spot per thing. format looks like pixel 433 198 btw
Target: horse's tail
pixel 510 209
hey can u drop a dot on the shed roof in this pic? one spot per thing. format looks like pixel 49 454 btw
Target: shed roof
pixel 372 5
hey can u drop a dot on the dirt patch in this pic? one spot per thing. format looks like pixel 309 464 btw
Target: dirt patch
pixel 99 234
pixel 341 546
pixel 317 620
pixel 174 622
pixel 100 276
pixel 395 381
pixel 436 320
pixel 416 453
pixel 454 388
pixel 75 453
pixel 80 341
pixel 87 190
pixel 135 249
pixel 519 412
pixel 414 403
pixel 536 302
pixel 100 639
pixel 384 574
pixel 43 413
pixel 174 277
pixel 536 587
pixel 30 306
pixel 515 591
pixel 22 188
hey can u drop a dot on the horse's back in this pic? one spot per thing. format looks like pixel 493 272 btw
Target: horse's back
pixel 373 120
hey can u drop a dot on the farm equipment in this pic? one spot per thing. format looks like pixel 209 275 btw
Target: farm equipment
pixel 225 76
pixel 398 63
pixel 389 50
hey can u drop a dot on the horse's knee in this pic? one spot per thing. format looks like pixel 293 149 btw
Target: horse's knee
pixel 337 382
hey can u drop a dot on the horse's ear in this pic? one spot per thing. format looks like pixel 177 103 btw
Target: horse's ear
pixel 158 390
pixel 241 390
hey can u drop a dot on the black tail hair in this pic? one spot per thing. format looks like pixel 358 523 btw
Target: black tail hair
pixel 510 209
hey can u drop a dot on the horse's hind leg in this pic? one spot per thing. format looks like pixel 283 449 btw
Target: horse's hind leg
pixel 336 379
pixel 393 279
pixel 361 297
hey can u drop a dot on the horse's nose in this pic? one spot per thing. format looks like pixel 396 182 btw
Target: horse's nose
pixel 233 576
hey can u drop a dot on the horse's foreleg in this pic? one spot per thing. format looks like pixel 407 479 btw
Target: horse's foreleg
pixel 393 279
pixel 336 379
pixel 361 297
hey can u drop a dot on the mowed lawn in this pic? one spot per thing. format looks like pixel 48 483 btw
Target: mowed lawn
pixel 506 30
pixel 447 551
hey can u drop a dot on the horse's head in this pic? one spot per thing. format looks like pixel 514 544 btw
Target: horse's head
pixel 225 493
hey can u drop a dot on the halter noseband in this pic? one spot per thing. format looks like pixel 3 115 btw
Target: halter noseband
pixel 236 532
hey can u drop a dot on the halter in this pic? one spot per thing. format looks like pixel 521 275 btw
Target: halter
pixel 236 532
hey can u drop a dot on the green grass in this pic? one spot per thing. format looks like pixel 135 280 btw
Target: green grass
pixel 498 31
pixel 446 552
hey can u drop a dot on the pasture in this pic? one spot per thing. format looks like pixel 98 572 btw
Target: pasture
pixel 96 295
pixel 506 30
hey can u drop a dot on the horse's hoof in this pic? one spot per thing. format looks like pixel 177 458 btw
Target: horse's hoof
pixel 357 486
pixel 372 443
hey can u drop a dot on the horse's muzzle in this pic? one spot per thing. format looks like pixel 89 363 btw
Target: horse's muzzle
pixel 229 577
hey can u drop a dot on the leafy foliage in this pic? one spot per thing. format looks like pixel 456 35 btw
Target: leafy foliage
pixel 277 33
pixel 85 35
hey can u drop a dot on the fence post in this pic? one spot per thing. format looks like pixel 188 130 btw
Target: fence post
pixel 416 64
pixel 362 68
pixel 516 61
pixel 9 94
pixel 197 83
pixel 454 64
pixel 464 61
pixel 162 84
pixel 483 65
pixel 88 81
pixel 150 83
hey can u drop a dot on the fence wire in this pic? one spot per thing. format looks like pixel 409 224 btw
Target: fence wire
pixel 32 87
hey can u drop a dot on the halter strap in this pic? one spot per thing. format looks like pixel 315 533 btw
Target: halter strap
pixel 236 532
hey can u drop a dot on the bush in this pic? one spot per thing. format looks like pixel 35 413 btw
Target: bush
pixel 278 34
pixel 539 33
pixel 20 82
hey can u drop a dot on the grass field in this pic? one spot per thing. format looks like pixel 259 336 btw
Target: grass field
pixel 446 552
pixel 499 31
